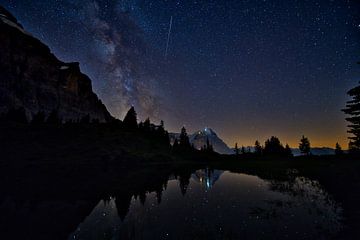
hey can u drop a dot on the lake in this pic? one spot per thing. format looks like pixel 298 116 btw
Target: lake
pixel 215 204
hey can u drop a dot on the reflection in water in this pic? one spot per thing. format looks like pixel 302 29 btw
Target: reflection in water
pixel 237 206
pixel 207 177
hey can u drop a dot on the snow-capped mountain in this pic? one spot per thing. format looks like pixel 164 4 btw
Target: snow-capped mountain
pixel 206 177
pixel 198 139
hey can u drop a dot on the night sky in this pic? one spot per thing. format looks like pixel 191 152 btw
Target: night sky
pixel 248 69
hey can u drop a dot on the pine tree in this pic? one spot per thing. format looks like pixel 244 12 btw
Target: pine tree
pixel 147 125
pixel 176 144
pixel 274 147
pixel 184 139
pixel 304 145
pixel 288 151
pixel 130 120
pixel 258 149
pixel 248 150
pixel 353 110
pixel 243 151
pixel 162 125
pixel 338 149
pixel 209 147
pixel 236 150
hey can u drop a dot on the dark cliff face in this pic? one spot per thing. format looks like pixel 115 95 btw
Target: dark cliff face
pixel 33 78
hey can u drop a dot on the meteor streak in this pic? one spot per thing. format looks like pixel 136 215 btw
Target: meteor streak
pixel 168 38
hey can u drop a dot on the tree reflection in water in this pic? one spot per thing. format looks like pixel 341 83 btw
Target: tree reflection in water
pixel 238 205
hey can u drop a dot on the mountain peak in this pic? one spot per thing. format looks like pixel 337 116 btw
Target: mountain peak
pixel 205 132
pixel 199 139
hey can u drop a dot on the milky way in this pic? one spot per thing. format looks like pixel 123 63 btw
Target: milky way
pixel 118 55
pixel 248 69
pixel 103 37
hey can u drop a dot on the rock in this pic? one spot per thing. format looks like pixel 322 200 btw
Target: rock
pixel 33 78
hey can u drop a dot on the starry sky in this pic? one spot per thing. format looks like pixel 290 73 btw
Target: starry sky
pixel 248 69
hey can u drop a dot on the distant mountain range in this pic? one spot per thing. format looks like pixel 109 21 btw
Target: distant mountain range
pixel 296 151
pixel 316 151
pixel 198 139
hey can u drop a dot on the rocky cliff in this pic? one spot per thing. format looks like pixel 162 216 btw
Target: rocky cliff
pixel 33 78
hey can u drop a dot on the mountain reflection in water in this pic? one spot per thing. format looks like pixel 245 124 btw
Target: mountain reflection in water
pixel 214 204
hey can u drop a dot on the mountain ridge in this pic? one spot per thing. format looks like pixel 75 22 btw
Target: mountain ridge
pixel 34 79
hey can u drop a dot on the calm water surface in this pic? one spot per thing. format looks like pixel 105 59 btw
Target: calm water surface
pixel 216 204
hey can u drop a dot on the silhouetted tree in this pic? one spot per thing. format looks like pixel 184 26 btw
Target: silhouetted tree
pixel 209 147
pixel 288 151
pixel 274 147
pixel 54 118
pixel 147 125
pixel 304 145
pixel 353 110
pixel 184 180
pixel 338 149
pixel 258 149
pixel 130 120
pixel 161 128
pixel 243 151
pixel 162 134
pixel 236 150
pixel 176 144
pixel 184 139
pixel 17 115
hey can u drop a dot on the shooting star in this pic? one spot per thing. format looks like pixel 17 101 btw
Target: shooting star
pixel 168 38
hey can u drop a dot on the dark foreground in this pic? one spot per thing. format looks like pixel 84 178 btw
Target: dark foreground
pixel 43 202
pixel 106 183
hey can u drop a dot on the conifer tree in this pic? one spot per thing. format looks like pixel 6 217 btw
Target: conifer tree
pixel 258 149
pixel 147 125
pixel 353 110
pixel 338 149
pixel 184 139
pixel 288 151
pixel 304 145
pixel 176 144
pixel 273 147
pixel 130 120
pixel 209 147
pixel 243 151
pixel 236 150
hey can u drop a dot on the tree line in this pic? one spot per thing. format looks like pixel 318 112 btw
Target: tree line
pixel 274 148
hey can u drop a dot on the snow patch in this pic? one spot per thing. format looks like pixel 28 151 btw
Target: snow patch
pixel 64 67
